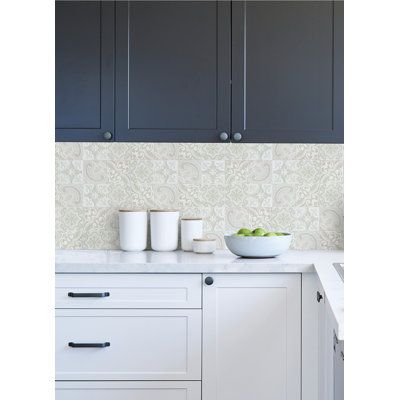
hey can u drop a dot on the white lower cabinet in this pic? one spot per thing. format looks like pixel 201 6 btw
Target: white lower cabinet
pixel 252 337
pixel 128 390
pixel 243 344
pixel 132 344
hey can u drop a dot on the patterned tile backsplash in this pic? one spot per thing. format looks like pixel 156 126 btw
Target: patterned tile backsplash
pixel 289 187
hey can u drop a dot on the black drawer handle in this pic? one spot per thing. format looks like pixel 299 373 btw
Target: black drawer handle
pixel 101 345
pixel 104 294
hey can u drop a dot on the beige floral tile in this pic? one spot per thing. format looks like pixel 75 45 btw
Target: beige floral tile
pixel 68 195
pixel 131 196
pixel 69 171
pixel 248 172
pixel 331 219
pixel 248 151
pixel 130 172
pixel 95 171
pixel 190 172
pixel 213 171
pixel 95 151
pixel 68 151
pixel 131 151
pixel 166 196
pixel 290 187
pixel 201 151
pixel 306 240
pixel 95 195
pixel 189 196
pixel 250 195
pixel 165 171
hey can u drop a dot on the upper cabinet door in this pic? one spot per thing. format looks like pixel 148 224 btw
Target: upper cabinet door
pixel 287 71
pixel 85 57
pixel 173 71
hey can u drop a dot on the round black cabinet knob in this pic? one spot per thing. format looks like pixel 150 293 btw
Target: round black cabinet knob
pixel 209 281
pixel 319 297
pixel 224 136
pixel 107 135
pixel 237 137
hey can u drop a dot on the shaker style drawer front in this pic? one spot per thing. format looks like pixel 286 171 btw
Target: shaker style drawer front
pixel 128 345
pixel 128 291
pixel 128 390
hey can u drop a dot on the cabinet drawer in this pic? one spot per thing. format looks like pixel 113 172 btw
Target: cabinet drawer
pixel 128 390
pixel 137 344
pixel 128 291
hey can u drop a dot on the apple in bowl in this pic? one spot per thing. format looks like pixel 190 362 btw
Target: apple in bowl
pixel 258 243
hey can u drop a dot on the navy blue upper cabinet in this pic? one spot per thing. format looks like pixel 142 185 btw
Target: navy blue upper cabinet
pixel 287 71
pixel 84 38
pixel 196 71
pixel 173 70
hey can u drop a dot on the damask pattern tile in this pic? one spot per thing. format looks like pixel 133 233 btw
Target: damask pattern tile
pixel 288 187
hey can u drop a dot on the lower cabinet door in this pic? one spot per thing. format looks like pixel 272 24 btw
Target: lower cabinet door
pixel 252 337
pixel 128 390
pixel 128 344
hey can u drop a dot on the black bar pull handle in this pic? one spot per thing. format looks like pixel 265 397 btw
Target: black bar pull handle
pixel 100 345
pixel 104 294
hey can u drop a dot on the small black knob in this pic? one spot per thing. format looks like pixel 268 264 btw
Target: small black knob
pixel 319 297
pixel 209 281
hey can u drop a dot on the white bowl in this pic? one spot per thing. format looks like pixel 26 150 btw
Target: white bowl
pixel 258 246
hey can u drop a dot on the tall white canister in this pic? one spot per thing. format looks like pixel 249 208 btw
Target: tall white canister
pixel 164 227
pixel 191 228
pixel 132 229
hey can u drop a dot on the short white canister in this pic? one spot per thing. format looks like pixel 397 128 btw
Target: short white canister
pixel 132 229
pixel 191 228
pixel 164 226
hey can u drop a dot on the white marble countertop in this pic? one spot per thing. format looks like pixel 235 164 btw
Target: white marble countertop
pixel 222 261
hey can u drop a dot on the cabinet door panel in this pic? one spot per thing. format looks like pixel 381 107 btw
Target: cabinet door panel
pixel 84 70
pixel 143 344
pixel 252 337
pixel 173 70
pixel 287 71
pixel 128 390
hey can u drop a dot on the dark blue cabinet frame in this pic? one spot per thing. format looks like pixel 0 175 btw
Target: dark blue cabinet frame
pixel 222 83
pixel 85 58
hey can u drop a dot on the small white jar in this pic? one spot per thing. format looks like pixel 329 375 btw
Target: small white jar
pixel 191 228
pixel 132 230
pixel 204 246
pixel 164 226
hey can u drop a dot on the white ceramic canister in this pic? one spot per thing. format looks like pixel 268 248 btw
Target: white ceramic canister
pixel 164 225
pixel 132 230
pixel 204 246
pixel 191 228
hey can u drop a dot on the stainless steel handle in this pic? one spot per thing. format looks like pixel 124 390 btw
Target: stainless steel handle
pixel 224 136
pixel 237 136
pixel 107 135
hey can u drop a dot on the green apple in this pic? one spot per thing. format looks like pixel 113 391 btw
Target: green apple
pixel 244 231
pixel 269 234
pixel 279 234
pixel 248 234
pixel 259 232
pixel 238 234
